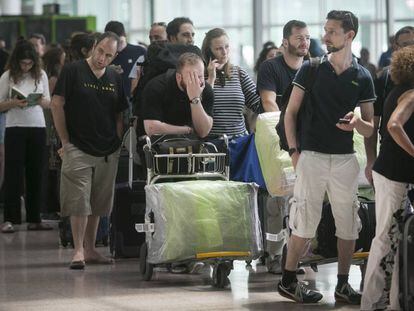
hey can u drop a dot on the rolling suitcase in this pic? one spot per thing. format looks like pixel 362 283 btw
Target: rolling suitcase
pixel 129 205
pixel 406 260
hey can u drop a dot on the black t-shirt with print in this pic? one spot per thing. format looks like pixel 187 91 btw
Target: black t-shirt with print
pixel 332 97
pixel 275 75
pixel 165 102
pixel 91 107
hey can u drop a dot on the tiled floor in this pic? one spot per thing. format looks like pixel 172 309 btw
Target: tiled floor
pixel 34 276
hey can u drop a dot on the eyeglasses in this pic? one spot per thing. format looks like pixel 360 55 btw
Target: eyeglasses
pixel 26 63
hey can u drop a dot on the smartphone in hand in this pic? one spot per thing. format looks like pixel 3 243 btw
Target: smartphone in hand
pixel 344 121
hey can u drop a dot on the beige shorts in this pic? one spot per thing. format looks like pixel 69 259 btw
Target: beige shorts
pixel 87 183
pixel 318 173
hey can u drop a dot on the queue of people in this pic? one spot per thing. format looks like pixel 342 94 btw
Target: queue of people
pixel 92 83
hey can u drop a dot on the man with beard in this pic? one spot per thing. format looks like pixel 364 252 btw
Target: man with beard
pixel 276 74
pixel 181 30
pixel 326 161
pixel 179 102
pixel 274 77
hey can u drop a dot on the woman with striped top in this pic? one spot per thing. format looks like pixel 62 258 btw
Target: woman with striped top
pixel 233 88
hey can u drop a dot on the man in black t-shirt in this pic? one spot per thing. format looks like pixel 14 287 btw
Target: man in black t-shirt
pixel 179 102
pixel 274 77
pixel 276 74
pixel 127 54
pixel 326 161
pixel 383 86
pixel 87 110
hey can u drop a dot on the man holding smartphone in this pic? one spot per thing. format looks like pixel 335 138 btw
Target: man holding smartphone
pixel 326 161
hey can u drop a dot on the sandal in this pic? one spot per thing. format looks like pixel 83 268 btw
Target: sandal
pixel 7 227
pixel 38 227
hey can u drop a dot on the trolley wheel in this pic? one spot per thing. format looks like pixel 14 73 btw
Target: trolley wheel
pixel 145 268
pixel 220 275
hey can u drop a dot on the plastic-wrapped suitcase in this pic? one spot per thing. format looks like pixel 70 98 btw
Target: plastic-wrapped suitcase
pixel 406 258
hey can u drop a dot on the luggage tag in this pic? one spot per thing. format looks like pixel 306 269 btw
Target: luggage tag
pixel 146 227
pixel 277 237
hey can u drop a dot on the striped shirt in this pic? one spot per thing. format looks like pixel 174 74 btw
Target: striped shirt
pixel 229 103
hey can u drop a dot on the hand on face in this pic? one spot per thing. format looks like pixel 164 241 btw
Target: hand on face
pixel 194 85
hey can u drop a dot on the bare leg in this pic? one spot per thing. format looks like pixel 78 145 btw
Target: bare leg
pixel 345 252
pixel 78 224
pixel 295 250
pixel 91 254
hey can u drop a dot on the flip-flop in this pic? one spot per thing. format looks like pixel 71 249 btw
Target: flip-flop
pixel 7 227
pixel 106 261
pixel 77 265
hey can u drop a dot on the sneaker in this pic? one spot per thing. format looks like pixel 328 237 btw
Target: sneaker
pixel 348 295
pixel 299 293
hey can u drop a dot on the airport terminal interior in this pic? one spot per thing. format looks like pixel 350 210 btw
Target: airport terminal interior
pixel 34 265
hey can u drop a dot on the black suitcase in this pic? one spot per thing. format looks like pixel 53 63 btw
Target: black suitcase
pixel 129 209
pixel 327 241
pixel 129 205
pixel 406 264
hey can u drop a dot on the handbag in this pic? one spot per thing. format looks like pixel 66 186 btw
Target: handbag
pixel 169 161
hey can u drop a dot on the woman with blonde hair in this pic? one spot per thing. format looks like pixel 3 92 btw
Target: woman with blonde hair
pixel 233 88
pixel 393 172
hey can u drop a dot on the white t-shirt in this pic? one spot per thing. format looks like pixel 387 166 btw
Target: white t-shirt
pixel 24 117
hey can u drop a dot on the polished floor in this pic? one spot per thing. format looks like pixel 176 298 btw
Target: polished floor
pixel 34 275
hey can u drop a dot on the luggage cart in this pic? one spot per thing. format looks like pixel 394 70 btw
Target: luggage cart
pixel 207 164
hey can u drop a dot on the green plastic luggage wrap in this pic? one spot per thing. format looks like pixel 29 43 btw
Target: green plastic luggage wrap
pixel 276 164
pixel 193 217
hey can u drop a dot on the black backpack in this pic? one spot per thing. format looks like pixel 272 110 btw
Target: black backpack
pixel 160 58
pixel 305 111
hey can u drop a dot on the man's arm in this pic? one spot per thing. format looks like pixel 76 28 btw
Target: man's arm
pixel 119 125
pixel 291 114
pixel 268 100
pixel 59 118
pixel 371 149
pixel 153 127
pixel 399 117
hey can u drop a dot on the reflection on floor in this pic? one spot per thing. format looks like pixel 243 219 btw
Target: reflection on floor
pixel 34 275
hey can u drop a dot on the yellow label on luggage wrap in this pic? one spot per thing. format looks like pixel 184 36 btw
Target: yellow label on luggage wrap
pixel 222 254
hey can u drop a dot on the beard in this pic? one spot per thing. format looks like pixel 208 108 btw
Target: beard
pixel 332 49
pixel 296 51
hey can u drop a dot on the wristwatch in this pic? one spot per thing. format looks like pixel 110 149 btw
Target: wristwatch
pixel 291 151
pixel 196 101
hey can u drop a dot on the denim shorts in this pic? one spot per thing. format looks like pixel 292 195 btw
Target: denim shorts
pixel 2 127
